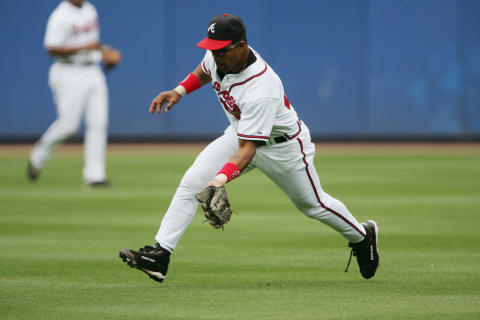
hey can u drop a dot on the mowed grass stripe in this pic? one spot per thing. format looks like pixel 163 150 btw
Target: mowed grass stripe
pixel 60 243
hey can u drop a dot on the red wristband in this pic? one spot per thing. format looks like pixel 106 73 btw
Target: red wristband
pixel 230 170
pixel 191 83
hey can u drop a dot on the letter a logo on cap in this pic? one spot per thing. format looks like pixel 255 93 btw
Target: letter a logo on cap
pixel 212 28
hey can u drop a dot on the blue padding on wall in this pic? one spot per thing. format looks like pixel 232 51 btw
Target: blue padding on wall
pixel 350 67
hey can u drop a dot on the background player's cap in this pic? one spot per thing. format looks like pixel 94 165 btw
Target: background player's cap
pixel 223 30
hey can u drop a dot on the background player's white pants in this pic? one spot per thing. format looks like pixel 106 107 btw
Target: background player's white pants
pixel 79 91
pixel 288 164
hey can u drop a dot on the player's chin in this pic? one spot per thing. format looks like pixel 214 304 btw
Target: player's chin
pixel 222 67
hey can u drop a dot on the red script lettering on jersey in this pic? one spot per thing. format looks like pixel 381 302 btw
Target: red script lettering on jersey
pixel 227 101
pixel 86 27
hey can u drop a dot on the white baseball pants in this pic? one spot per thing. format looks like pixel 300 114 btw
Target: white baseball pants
pixel 288 164
pixel 79 91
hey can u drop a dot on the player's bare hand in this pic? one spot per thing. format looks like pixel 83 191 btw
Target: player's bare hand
pixel 111 56
pixel 169 97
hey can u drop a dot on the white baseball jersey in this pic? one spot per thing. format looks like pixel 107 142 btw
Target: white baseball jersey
pixel 71 27
pixel 253 100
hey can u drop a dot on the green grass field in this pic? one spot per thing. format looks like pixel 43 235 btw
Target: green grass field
pixel 59 243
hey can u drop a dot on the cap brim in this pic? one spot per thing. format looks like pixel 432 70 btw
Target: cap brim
pixel 209 44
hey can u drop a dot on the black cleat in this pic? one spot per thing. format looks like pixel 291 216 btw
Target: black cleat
pixel 151 260
pixel 32 172
pixel 366 250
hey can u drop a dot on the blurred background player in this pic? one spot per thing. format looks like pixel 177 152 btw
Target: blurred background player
pixel 79 87
pixel 265 133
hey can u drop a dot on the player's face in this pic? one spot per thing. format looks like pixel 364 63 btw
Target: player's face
pixel 230 59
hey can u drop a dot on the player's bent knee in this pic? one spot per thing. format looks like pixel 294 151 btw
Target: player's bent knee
pixel 66 130
pixel 312 212
pixel 193 181
pixel 190 186
pixel 67 133
pixel 308 209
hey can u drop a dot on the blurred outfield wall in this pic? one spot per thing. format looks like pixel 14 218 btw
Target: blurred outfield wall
pixel 351 68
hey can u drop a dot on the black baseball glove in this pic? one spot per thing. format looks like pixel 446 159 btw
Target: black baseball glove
pixel 215 205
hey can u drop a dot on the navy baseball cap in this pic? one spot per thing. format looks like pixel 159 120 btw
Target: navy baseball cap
pixel 223 30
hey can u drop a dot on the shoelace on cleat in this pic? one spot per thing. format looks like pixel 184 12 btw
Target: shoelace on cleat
pixel 352 253
pixel 147 249
pixel 151 250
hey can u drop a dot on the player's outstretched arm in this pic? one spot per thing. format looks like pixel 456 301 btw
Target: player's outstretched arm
pixel 194 81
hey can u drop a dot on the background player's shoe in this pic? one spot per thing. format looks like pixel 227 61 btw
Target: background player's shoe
pixel 32 172
pixel 151 260
pixel 99 184
pixel 366 250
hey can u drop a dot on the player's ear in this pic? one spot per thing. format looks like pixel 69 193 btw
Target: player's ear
pixel 243 45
